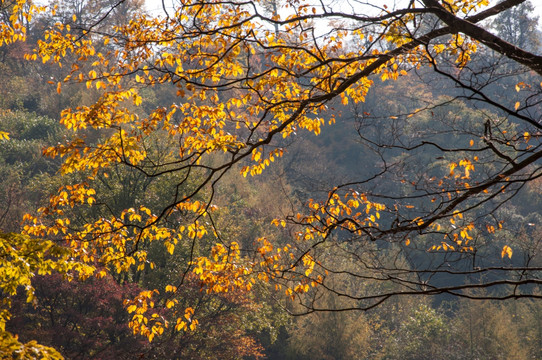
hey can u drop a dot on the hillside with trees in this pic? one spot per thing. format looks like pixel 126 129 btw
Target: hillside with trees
pixel 270 180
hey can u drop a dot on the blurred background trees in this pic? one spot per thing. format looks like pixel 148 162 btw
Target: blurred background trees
pixel 394 145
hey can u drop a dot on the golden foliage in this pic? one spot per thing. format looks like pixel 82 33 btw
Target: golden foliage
pixel 239 85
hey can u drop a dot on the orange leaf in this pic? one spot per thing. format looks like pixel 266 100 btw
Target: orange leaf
pixel 506 250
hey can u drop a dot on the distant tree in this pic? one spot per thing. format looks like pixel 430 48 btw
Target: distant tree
pixel 424 335
pixel 27 177
pixel 83 320
pixel 519 26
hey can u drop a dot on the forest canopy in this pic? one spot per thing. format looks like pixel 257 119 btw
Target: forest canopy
pixel 204 157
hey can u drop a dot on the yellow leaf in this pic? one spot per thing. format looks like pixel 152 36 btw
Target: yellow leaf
pixel 407 242
pixel 506 250
pixel 517 105
pixel 181 325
